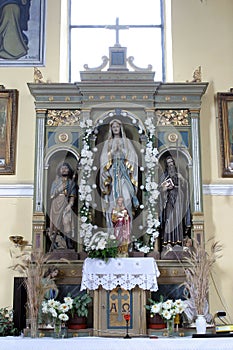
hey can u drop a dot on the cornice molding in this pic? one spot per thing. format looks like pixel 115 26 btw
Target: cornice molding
pixel 16 190
pixel 218 189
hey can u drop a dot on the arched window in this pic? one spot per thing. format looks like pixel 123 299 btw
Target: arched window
pixel 97 25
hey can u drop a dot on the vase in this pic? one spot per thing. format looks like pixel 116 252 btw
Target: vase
pixel 57 330
pixel 170 327
pixel 200 324
pixel 33 327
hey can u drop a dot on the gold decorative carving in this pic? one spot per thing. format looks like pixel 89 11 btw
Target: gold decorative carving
pixel 172 137
pixel 173 117
pixel 197 75
pixel 58 117
pixel 123 97
pixel 198 227
pixel 38 228
pixel 63 137
pixel 38 77
pixel 73 273
pixel 164 272
pixel 167 98
pixel 145 97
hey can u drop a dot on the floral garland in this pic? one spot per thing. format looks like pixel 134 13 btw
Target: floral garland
pixel 151 187
pixel 142 244
pixel 85 189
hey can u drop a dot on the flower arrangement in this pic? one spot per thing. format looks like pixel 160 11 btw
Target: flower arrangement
pixel 6 322
pixel 101 245
pixel 56 310
pixel 166 309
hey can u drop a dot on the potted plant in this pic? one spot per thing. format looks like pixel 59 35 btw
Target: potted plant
pixel 79 311
pixel 6 323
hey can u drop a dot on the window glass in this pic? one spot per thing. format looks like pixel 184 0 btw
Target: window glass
pixel 90 37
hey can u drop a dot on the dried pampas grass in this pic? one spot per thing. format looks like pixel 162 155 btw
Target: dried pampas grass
pixel 200 265
pixel 32 265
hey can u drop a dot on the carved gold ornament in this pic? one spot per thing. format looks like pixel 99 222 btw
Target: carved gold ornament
pixel 172 137
pixel 58 117
pixel 63 137
pixel 172 117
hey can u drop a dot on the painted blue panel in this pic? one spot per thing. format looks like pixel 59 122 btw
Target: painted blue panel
pixel 75 139
pixel 185 138
pixel 51 139
pixel 124 308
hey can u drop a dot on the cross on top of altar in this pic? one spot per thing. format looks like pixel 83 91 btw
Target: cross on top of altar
pixel 117 54
pixel 117 27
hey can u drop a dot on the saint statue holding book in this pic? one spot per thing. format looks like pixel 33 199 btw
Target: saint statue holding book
pixel 175 216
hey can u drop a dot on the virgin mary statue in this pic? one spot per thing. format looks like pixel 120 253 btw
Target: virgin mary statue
pixel 118 171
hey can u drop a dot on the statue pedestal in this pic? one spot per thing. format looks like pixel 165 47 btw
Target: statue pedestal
pixel 68 254
pixel 175 253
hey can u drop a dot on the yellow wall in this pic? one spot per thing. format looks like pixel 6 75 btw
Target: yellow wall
pixel 202 35
pixel 16 213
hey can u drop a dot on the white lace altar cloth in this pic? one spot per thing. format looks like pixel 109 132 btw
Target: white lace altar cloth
pixel 124 272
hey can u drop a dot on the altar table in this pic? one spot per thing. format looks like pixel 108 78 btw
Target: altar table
pixel 125 272
pixel 119 288
pixel 100 343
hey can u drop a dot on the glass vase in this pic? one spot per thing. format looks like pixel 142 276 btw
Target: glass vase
pixel 57 330
pixel 170 327
pixel 33 327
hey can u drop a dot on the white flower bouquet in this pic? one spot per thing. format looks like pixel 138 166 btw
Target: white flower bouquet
pixel 57 311
pixel 101 245
pixel 166 309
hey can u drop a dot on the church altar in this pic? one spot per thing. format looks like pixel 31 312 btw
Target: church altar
pixel 120 288
pixel 100 343
pixel 124 272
